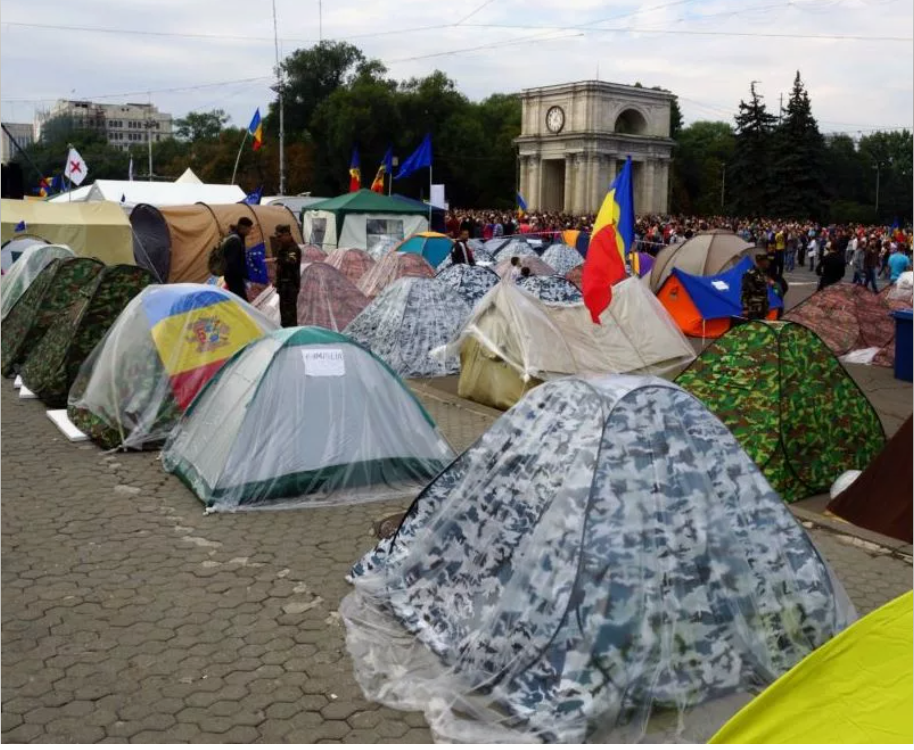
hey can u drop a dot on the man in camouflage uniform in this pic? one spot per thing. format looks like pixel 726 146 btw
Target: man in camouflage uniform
pixel 754 290
pixel 288 275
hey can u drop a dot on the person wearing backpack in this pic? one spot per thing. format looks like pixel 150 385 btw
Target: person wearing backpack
pixel 234 256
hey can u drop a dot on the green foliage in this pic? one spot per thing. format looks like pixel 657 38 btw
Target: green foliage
pixel 749 174
pixel 200 126
pixel 702 151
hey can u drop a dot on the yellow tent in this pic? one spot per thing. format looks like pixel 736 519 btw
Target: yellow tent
pixel 95 229
pixel 857 688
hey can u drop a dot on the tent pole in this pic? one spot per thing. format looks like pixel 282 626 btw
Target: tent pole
pixel 430 180
pixel 238 158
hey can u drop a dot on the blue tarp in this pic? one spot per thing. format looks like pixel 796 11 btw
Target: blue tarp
pixel 719 296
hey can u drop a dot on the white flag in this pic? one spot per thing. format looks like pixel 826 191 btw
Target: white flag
pixel 130 170
pixel 77 169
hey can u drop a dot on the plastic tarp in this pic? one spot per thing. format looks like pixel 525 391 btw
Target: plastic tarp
pixel 359 433
pixel 562 258
pixel 536 265
pixel 179 193
pixel 432 246
pixel 31 263
pixel 13 249
pixel 791 404
pixel 856 689
pixel 705 254
pixel 380 248
pixel 312 254
pixel 326 299
pixel 160 351
pixel 604 564
pixel 95 230
pixel 470 282
pixel 395 265
pixel 553 290
pixel 900 295
pixel 352 263
pixel 406 321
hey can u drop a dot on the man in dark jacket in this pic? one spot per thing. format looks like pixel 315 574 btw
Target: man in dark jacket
pixel 233 251
pixel 288 275
pixel 831 269
pixel 460 252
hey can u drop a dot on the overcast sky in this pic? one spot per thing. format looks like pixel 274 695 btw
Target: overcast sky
pixel 707 53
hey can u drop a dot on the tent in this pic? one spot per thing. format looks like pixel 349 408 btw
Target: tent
pixel 848 317
pixel 513 341
pixel 641 263
pixel 553 290
pixel 856 690
pixel 31 263
pixel 562 258
pixel 432 246
pixel 576 276
pixel 54 363
pixel 880 499
pixel 705 254
pixel 482 258
pixel 129 193
pixel 12 250
pixel 537 267
pixel 513 247
pixel 380 248
pixel 789 402
pixel 98 230
pixel 703 305
pixel 43 305
pixel 406 321
pixel 580 241
pixel 326 298
pixel 189 178
pixel 470 282
pixel 395 265
pixel 358 432
pixel 606 562
pixel 900 295
pixel 352 263
pixel 312 254
pixel 174 242
pixel 361 219
pixel 438 214
pixel 160 351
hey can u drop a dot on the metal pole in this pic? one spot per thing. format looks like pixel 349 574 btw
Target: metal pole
pixel 238 158
pixel 429 197
pixel 282 124
pixel 149 134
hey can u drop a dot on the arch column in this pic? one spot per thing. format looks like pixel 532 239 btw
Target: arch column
pixel 568 204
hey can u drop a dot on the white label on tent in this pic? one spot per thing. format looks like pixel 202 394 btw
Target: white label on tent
pixel 721 285
pixel 324 363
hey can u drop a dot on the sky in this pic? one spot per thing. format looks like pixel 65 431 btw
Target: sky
pixel 855 56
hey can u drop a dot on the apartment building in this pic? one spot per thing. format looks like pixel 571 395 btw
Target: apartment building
pixel 124 125
pixel 22 133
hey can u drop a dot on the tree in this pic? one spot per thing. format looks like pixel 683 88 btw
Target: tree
pixel 798 160
pixel 201 126
pixel 749 175
pixel 703 150
pixel 888 157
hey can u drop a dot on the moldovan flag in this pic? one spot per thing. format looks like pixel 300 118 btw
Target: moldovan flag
pixel 194 334
pixel 386 168
pixel 612 237
pixel 256 129
pixel 355 172
pixel 77 169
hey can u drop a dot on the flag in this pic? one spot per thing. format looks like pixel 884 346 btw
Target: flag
pixel 123 198
pixel 44 187
pixel 256 129
pixel 253 198
pixel 418 159
pixel 386 168
pixel 355 172
pixel 77 169
pixel 256 261
pixel 521 205
pixel 57 185
pixel 612 237
pixel 20 227
pixel 130 170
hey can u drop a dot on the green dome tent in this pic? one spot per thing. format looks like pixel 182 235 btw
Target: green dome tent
pixel 791 404
pixel 25 270
pixel 304 416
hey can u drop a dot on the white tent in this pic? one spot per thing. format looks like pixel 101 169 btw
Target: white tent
pixel 189 178
pixel 155 193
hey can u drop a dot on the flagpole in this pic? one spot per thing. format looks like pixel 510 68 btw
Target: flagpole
pixel 429 196
pixel 238 158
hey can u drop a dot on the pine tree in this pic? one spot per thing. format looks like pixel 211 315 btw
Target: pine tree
pixel 799 159
pixel 750 174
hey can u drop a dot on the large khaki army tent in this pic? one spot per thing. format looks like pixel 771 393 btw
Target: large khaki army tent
pixel 97 230
pixel 174 242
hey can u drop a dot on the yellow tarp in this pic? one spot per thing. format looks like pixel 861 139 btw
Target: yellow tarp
pixel 857 688
pixel 93 230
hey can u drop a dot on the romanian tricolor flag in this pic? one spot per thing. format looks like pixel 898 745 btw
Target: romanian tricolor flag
pixel 194 333
pixel 44 187
pixel 612 237
pixel 384 169
pixel 355 172
pixel 256 129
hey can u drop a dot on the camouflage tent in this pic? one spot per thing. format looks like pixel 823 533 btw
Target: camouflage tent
pixel 406 321
pixel 54 363
pixel 395 265
pixel 553 290
pixel 562 258
pixel 470 282
pixel 165 345
pixel 606 561
pixel 789 402
pixel 32 262
pixel 43 306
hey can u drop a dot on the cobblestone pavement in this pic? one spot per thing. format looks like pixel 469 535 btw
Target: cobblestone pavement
pixel 128 615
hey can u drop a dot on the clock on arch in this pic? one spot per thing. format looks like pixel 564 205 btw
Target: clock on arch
pixel 555 119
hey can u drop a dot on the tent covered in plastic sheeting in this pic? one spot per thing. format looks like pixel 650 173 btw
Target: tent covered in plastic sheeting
pixel 704 254
pixel 605 563
pixel 553 290
pixel 791 404
pixel 359 433
pixel 380 248
pixel 54 363
pixel 513 342
pixel 326 299
pixel 12 250
pixel 42 306
pixel 848 317
pixel 562 258
pixel 512 248
pixel 481 257
pixel 174 242
pixel 395 265
pixel 900 295
pixel 406 321
pixel 31 263
pixel 312 254
pixel 537 266
pixel 351 262
pixel 432 246
pixel 160 351
pixel 856 689
pixel 470 282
